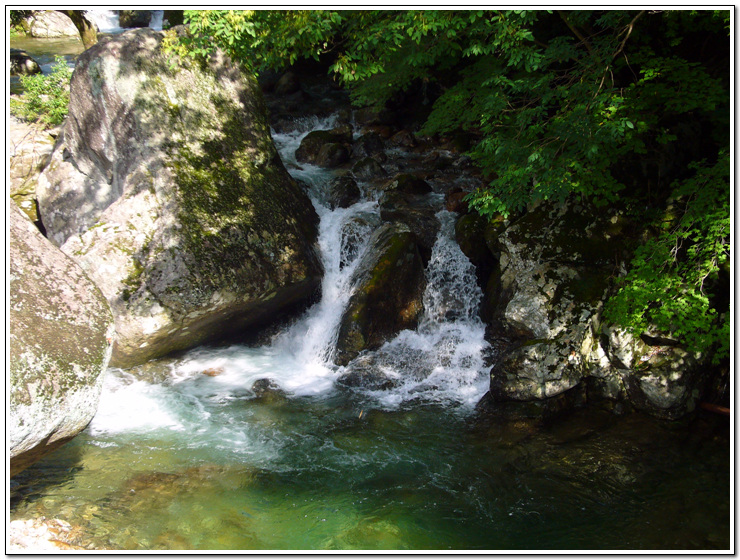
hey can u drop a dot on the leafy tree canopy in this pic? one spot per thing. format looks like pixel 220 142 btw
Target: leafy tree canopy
pixel 609 106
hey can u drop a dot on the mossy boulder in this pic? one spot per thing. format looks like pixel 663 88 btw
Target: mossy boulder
pixel 167 189
pixel 60 341
pixel 389 285
pixel 556 263
pixel 554 278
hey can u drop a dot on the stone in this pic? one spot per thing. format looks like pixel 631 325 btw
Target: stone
pixel 325 148
pixel 416 213
pixel 553 281
pixel 389 285
pixel 29 150
pixel 368 168
pixel 60 342
pixel 367 145
pixel 47 24
pixel 343 192
pixel 166 187
pixel 134 18
pixel 22 64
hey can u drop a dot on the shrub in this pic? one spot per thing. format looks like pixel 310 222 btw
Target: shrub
pixel 45 98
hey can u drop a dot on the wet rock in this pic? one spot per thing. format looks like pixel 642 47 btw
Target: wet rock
pixel 267 389
pixel 416 213
pixel 33 536
pixel 343 192
pixel 404 138
pixel 61 332
pixel 167 189
pixel 134 18
pixel 325 148
pixel 408 184
pixel 388 296
pixel 554 278
pixel 367 145
pixel 368 169
pixel 455 200
pixel 364 372
pixel 355 234
pixel 21 63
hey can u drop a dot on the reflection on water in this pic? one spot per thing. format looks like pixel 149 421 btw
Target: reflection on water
pixel 312 473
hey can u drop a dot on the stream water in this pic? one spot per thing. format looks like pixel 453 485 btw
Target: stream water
pixel 186 454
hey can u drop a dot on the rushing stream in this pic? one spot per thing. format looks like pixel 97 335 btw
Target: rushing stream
pixel 190 454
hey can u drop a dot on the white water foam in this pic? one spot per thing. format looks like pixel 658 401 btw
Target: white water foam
pixel 441 361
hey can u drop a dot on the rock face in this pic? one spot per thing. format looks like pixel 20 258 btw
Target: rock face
pixel 48 24
pixel 388 295
pixel 29 150
pixel 552 281
pixel 61 330
pixel 167 189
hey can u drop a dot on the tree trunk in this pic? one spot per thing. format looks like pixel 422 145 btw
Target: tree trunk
pixel 87 29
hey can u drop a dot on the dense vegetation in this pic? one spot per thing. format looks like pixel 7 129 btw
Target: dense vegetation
pixel 628 108
pixel 45 98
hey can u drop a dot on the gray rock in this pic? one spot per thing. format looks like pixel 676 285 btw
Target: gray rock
pixel 60 341
pixel 47 24
pixel 167 189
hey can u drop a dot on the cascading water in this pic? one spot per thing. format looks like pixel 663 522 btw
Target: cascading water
pixel 176 459
pixel 106 20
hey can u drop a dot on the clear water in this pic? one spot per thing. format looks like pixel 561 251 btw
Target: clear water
pixel 185 455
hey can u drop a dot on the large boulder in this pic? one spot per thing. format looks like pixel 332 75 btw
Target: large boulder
pixel 167 189
pixel 554 269
pixel 47 24
pixel 60 341
pixel 389 287
pixel 553 276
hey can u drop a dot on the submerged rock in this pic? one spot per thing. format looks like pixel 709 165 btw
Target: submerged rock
pixel 168 190
pixel 388 295
pixel 61 331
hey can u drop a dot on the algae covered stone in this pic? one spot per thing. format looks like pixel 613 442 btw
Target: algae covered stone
pixel 389 286
pixel 169 192
pixel 61 330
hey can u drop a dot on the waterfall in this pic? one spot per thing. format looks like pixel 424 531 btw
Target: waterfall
pixel 106 20
pixel 157 19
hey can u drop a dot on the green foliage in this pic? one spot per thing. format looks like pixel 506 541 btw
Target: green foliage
pixel 609 106
pixel 16 20
pixel 45 98
pixel 674 276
